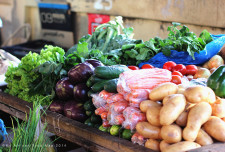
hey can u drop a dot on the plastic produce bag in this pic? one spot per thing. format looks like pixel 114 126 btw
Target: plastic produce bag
pixel 132 116
pixel 138 139
pixel 100 99
pixel 115 114
pixel 183 57
pixel 142 79
pixel 135 85
pixel 136 96
pixel 115 98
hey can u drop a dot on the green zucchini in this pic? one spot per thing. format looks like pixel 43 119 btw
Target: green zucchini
pixel 92 80
pixel 88 83
pixel 96 119
pixel 110 72
pixel 89 123
pixel 90 92
pixel 111 86
pixel 88 106
pixel 89 113
pixel 99 86
pixel 97 125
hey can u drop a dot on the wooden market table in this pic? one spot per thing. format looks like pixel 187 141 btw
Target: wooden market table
pixel 88 137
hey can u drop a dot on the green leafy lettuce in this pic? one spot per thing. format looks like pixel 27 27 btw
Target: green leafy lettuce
pixel 21 78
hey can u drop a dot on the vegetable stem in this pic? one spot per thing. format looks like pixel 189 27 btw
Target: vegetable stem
pixel 110 32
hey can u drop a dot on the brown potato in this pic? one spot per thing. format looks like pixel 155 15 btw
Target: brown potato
pixel 202 73
pixel 181 146
pixel 148 131
pixel 198 93
pixel 163 145
pixel 197 116
pixel 149 103
pixel 218 108
pixel 215 62
pixel 203 138
pixel 215 127
pixel 152 115
pixel 171 133
pixel 205 65
pixel 182 119
pixel 172 109
pixel 163 90
pixel 152 144
pixel 164 101
pixel 181 89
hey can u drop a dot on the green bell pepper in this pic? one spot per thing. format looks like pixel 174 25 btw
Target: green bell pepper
pixel 216 81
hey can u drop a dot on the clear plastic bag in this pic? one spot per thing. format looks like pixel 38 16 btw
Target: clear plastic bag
pixel 138 139
pixel 135 85
pixel 136 96
pixel 100 99
pixel 115 114
pixel 132 116
pixel 142 79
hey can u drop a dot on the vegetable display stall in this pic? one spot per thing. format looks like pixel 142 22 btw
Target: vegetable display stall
pixel 79 133
pixel 74 131
pixel 121 86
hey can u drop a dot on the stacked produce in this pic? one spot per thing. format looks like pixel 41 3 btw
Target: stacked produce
pixel 35 77
pixel 181 120
pixel 101 83
pixel 72 93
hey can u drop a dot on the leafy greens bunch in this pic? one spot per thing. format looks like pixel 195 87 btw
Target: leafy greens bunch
pixel 109 46
pixel 179 38
pixel 22 79
pixel 106 37
pixel 27 137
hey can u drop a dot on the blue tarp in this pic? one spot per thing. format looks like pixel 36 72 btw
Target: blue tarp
pixel 2 131
pixel 182 57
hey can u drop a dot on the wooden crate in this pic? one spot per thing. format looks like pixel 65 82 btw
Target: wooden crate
pixel 88 137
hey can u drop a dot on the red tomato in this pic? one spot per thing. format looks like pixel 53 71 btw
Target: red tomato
pixel 180 68
pixel 177 73
pixel 147 66
pixel 176 79
pixel 191 69
pixel 169 65
pixel 133 67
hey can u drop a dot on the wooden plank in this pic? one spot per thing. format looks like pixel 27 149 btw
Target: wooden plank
pixel 68 136
pixel 217 147
pixel 88 145
pixel 198 12
pixel 14 112
pixel 74 128
pixel 92 134
pixel 81 134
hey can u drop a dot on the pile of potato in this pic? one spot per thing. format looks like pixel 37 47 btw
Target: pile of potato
pixel 181 119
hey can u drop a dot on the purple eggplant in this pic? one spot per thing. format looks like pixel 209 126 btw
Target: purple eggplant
pixel 75 110
pixel 80 92
pixel 57 106
pixel 94 63
pixel 64 89
pixel 80 73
